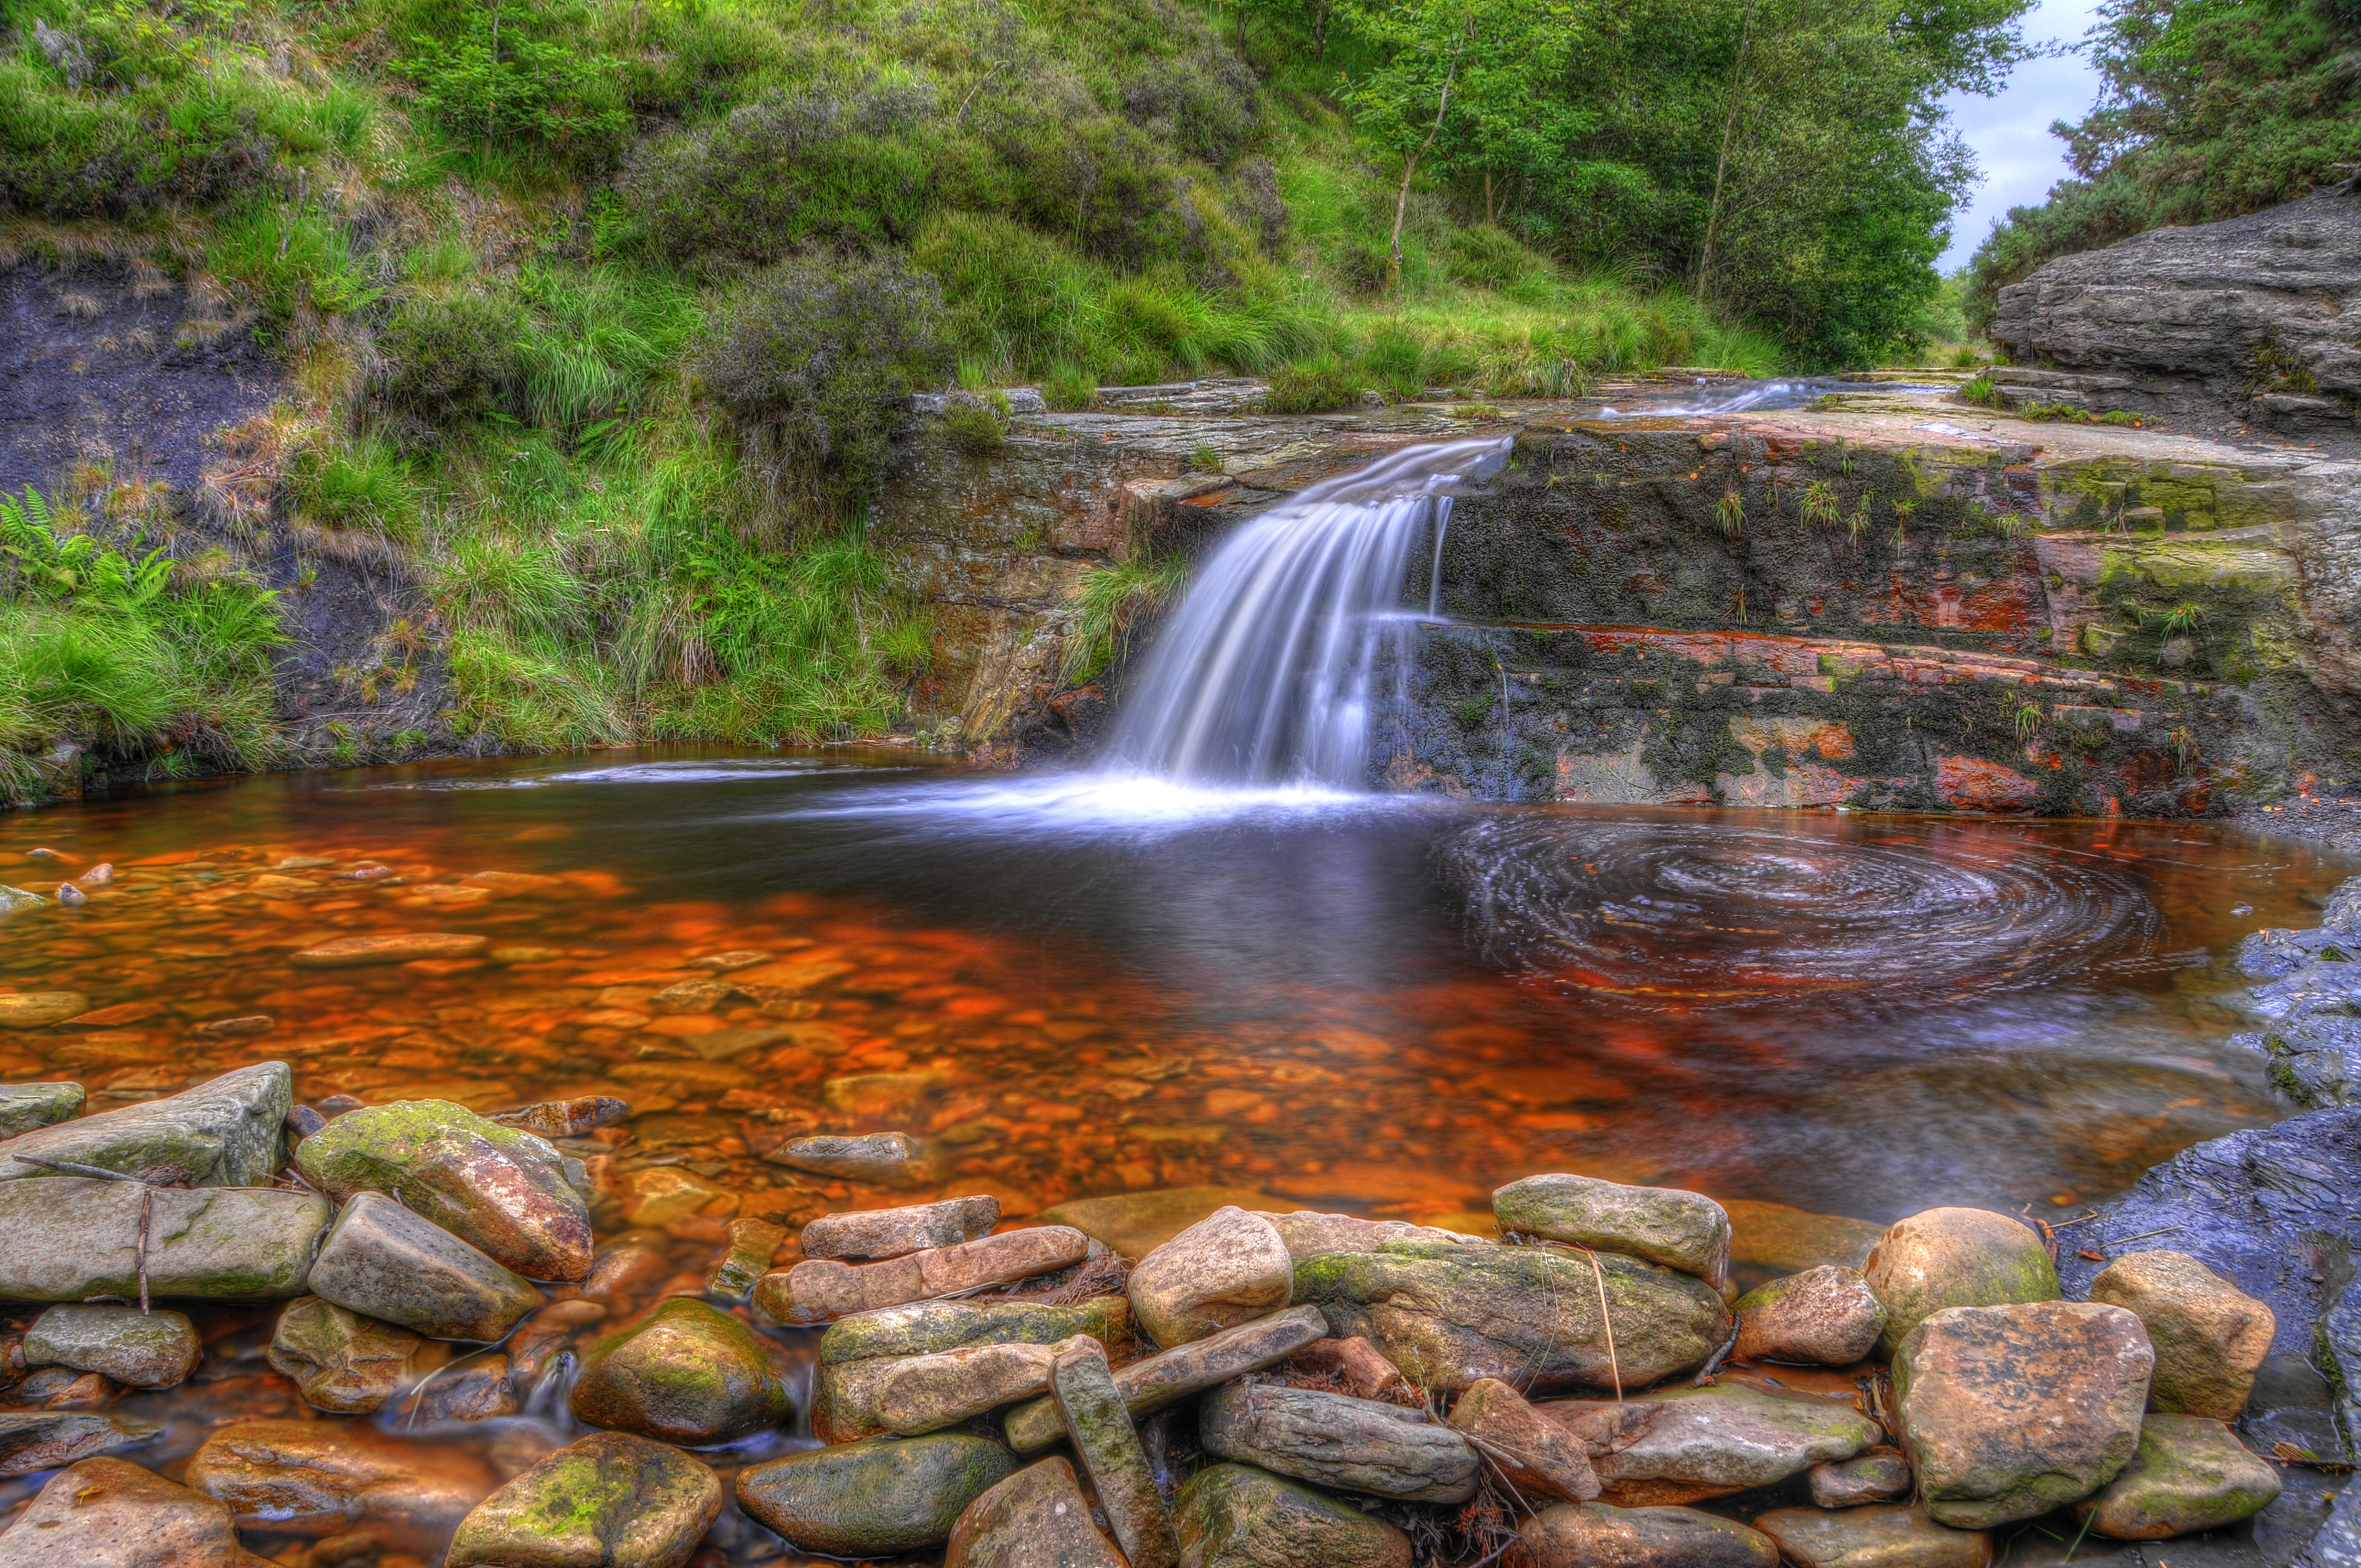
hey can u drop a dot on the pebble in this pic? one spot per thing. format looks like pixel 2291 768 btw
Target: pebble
pixel 1338 1441
pixel 146 1350
pixel 610 1499
pixel 478 1389
pixel 329 1478
pixel 1665 1225
pixel 1227 1269
pixel 1881 1476
pixel 383 1261
pixel 1036 1518
pixel 687 1373
pixel 874 1234
pixel 876 1496
pixel 70 896
pixel 107 1513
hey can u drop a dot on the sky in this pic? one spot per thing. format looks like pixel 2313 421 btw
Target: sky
pixel 2010 132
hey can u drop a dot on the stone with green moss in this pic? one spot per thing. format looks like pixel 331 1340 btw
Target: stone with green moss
pixel 1955 1257
pixel 856 1353
pixel 880 1495
pixel 144 1349
pixel 340 1360
pixel 1450 1314
pixel 76 1238
pixel 689 1374
pixel 24 1106
pixel 610 1500
pixel 2190 1474
pixel 500 1188
pixel 1687 1230
pixel 382 1261
pixel 226 1131
pixel 1237 1516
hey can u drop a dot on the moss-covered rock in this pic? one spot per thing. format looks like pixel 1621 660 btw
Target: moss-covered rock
pixel 610 1499
pixel 340 1360
pixel 876 1496
pixel 688 1373
pixel 24 1106
pixel 1235 1516
pixel 2190 1474
pixel 1955 1257
pixel 1681 1229
pixel 855 1354
pixel 71 1238
pixel 226 1131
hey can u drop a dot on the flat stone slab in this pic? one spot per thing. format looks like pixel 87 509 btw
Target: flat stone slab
pixel 399 947
pixel 1880 1536
pixel 1337 1441
pixel 1685 1444
pixel 872 1233
pixel 225 1131
pixel 1159 1380
pixel 71 1238
pixel 1667 1225
pixel 818 1290
pixel 382 1261
pixel 612 1499
pixel 873 1498
pixel 926 1393
pixel 109 1513
pixel 24 1106
pixel 857 1354
pixel 1598 1535
pixel 145 1350
pixel 44 1440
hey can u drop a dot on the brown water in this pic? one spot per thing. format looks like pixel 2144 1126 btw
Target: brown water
pixel 1073 987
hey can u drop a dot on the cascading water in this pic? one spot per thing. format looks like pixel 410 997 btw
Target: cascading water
pixel 1261 676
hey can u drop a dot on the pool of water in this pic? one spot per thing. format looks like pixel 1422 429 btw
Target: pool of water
pixel 1082 985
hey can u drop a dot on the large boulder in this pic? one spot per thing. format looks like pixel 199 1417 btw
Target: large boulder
pixel 1955 1257
pixel 2180 318
pixel 1037 1518
pixel 612 1499
pixel 328 1478
pixel 873 1498
pixel 1337 1441
pixel 687 1373
pixel 1227 1267
pixel 74 1237
pixel 105 1513
pixel 1235 1516
pixel 502 1190
pixel 1683 1444
pixel 224 1133
pixel 1448 1313
pixel 2008 1411
pixel 1598 1535
pixel 2190 1474
pixel 857 1354
pixel 1679 1229
pixel 383 1261
pixel 2210 1336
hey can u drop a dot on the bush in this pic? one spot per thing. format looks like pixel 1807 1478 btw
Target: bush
pixel 1208 105
pixel 450 357
pixel 1322 386
pixel 976 426
pixel 493 84
pixel 813 365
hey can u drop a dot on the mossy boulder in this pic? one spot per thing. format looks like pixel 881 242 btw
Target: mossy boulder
pixel 610 1499
pixel 688 1373
pixel 71 1238
pixel 1235 1516
pixel 1679 1228
pixel 226 1132
pixel 2190 1474
pixel 1954 1257
pixel 876 1496
pixel 1448 1314
pixel 500 1188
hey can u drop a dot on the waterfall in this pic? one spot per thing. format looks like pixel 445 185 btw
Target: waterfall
pixel 1261 673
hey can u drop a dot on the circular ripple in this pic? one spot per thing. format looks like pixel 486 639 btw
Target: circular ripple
pixel 1715 914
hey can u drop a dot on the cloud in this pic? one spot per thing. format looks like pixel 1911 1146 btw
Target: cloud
pixel 2010 132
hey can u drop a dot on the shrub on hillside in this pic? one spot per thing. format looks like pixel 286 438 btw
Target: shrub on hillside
pixel 487 86
pixel 451 358
pixel 813 366
pixel 1208 105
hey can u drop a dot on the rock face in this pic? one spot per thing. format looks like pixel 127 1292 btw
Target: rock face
pixel 104 1513
pixel 2008 1411
pixel 1333 1441
pixel 326 1478
pixel 2210 1336
pixel 222 1132
pixel 1448 1313
pixel 892 1232
pixel 857 1354
pixel 1954 1257
pixel 1157 1381
pixel 24 1106
pixel 688 1373
pixel 1596 1535
pixel 383 1261
pixel 876 1496
pixel 340 1360
pixel 1883 1536
pixel 1681 1229
pixel 1226 1268
pixel 1825 1316
pixel 73 1237
pixel 2179 317
pixel 1037 1518
pixel 502 1190
pixel 610 1499
pixel 1536 1455
pixel 146 1350
pixel 2190 1474
pixel 1681 1445
pixel 1235 1516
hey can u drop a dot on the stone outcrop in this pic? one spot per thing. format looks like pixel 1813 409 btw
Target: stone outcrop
pixel 2252 313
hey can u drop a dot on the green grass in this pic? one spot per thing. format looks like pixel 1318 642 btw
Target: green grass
pixel 1112 600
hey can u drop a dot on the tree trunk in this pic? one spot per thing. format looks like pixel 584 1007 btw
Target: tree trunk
pixel 1721 163
pixel 1410 167
pixel 1320 32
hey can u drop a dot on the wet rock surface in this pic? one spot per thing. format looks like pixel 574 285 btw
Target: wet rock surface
pixel 146 1350
pixel 875 1496
pixel 1680 1445
pixel 224 1133
pixel 1235 1516
pixel 73 1238
pixel 382 1261
pixel 1825 1316
pixel 1036 1516
pixel 1876 1537
pixel 332 1478
pixel 1955 1257
pixel 2188 1474
pixel 690 1374
pixel 610 1499
pixel 44 1440
pixel 342 1362
pixel 1879 1477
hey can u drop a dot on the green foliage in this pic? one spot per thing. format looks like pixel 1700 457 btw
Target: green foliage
pixel 361 482
pixel 976 427
pixel 2209 108
pixel 289 258
pixel 1069 387
pixel 1819 504
pixel 452 356
pixel 515 70
pixel 1321 384
pixel 1729 514
pixel 1110 605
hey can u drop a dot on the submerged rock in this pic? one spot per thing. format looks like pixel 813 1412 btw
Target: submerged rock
pixel 1685 1444
pixel 224 1133
pixel 1036 1517
pixel 339 1360
pixel 568 1118
pixel 1597 1535
pixel 324 1478
pixel 43 1440
pixel 2190 1474
pixel 24 1106
pixel 895 1233
pixel 1448 1313
pixel 753 1244
pixel 887 1157
pixel 146 1350
pixel 1100 1428
pixel 688 1373
pixel 1955 1257
pixel 1159 1380
pixel 1878 1537
pixel 608 1501
pixel 1338 1441
pixel 393 948
pixel 873 1498
pixel 1681 1229
pixel 71 1238
pixel 383 1261
pixel 37 1009
pixel 2008 1411
pixel 2210 1336
pixel 107 1513
pixel 1235 1516
pixel 1825 1316
pixel 1228 1267
pixel 502 1190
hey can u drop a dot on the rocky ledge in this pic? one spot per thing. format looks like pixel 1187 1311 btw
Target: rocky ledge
pixel 1161 1378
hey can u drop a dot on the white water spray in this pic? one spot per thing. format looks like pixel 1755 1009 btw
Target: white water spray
pixel 1262 674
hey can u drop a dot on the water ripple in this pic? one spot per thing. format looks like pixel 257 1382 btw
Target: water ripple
pixel 1715 914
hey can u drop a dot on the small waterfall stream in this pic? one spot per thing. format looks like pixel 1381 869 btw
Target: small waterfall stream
pixel 1261 673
